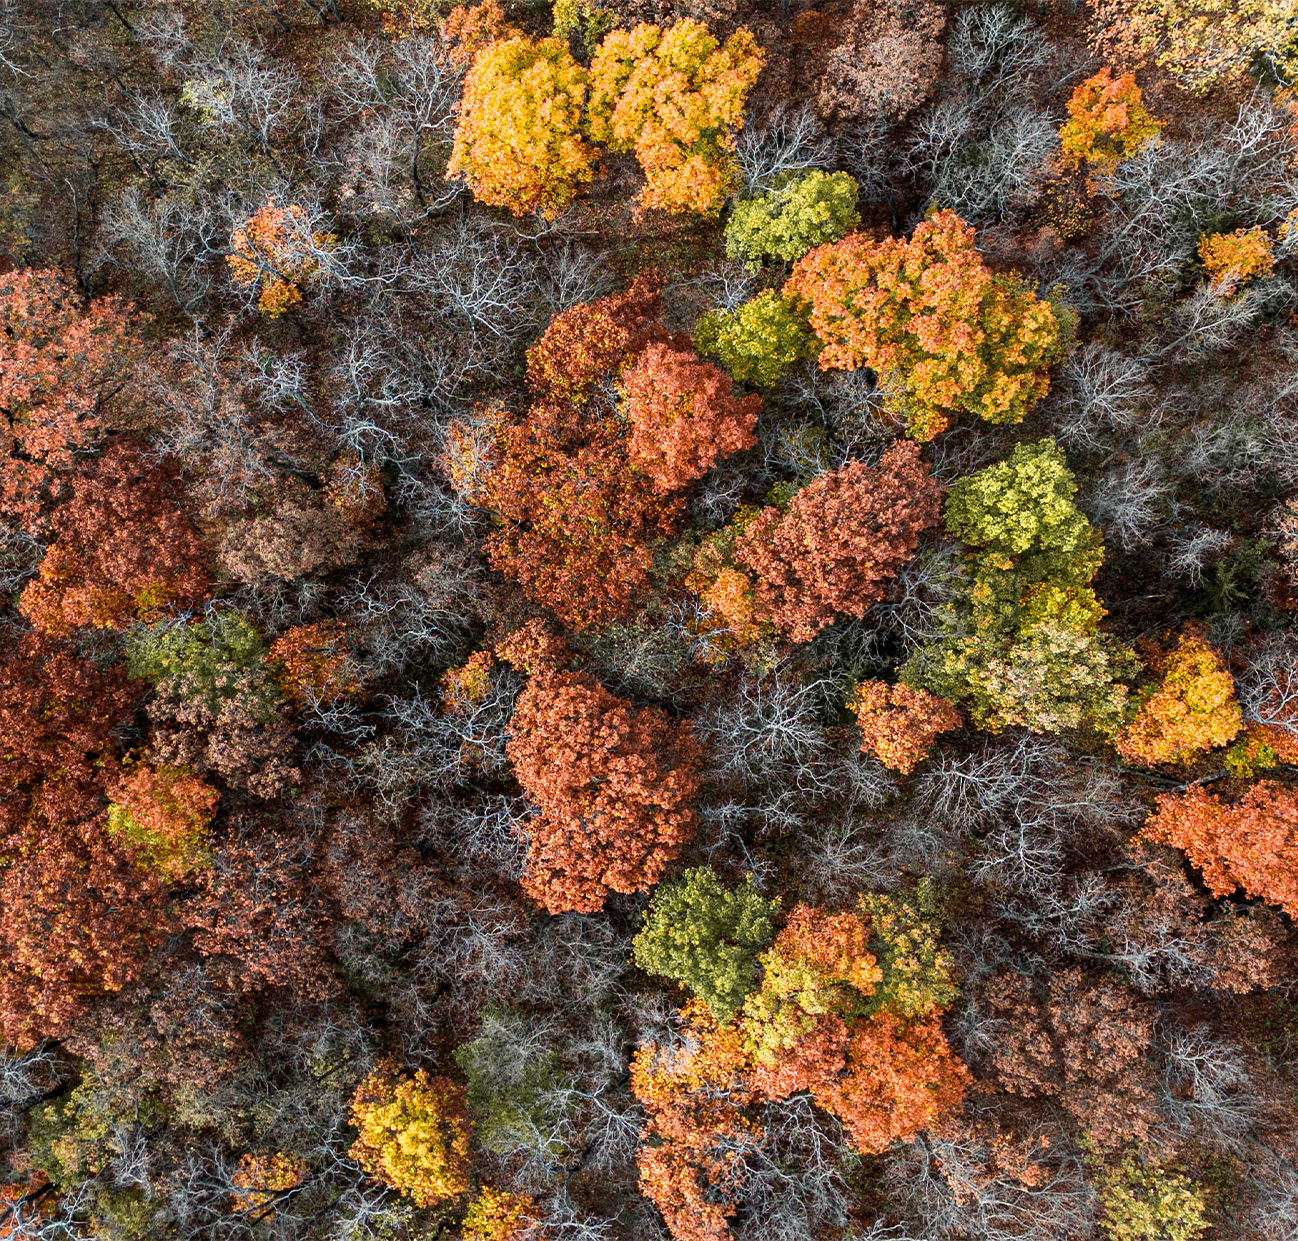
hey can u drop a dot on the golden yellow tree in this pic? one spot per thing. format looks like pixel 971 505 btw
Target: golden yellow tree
pixel 518 143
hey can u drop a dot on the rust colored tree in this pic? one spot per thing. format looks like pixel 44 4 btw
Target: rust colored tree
pixel 841 539
pixel 311 663
pixel 684 416
pixel 124 550
pixel 63 369
pixel 614 787
pixel 899 724
pixel 1251 845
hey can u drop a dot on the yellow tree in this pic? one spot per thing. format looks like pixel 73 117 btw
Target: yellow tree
pixel 674 98
pixel 1107 122
pixel 518 143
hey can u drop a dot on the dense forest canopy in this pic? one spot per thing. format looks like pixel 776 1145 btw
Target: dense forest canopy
pixel 649 620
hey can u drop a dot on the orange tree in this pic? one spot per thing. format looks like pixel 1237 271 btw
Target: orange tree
pixel 1251 845
pixel 674 97
pixel 684 416
pixel 945 334
pixel 277 251
pixel 1191 709
pixel 1107 122
pixel 614 788
pixel 1233 259
pixel 164 812
pixel 842 537
pixel 518 143
pixel 63 369
pixel 899 724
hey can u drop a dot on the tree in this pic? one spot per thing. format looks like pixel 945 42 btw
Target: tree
pixel 1199 44
pixel 124 550
pixel 311 663
pixel 63 371
pixel 684 418
pixel 614 787
pixel 797 213
pixel 1233 259
pixel 1023 645
pixel 898 724
pixel 469 29
pixel 413 1134
pixel 700 934
pixel 674 97
pixel 841 539
pixel 277 251
pixel 1191 709
pixel 934 322
pixel 495 1215
pixel 164 812
pixel 1143 1201
pixel 577 523
pixel 758 342
pixel 1251 845
pixel 1107 122
pixel 518 143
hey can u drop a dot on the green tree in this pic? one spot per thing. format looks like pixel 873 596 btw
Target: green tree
pixel 758 342
pixel 1145 1202
pixel 906 941
pixel 800 211
pixel 699 934
pixel 1023 644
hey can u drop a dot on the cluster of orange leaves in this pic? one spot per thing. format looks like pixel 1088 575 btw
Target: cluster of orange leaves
pixel 614 787
pixel 930 317
pixel 684 416
pixel 1252 844
pixel 1107 122
pixel 61 366
pixel 899 724
pixel 470 28
pixel 274 248
pixel 1233 259
pixel 167 811
pixel 807 1029
pixel 310 662
pixel 843 536
pixel 1191 709
pixel 260 1179
pixel 413 1134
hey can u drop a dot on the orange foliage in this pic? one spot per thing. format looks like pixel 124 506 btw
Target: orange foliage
pixel 1107 122
pixel 164 812
pixel 615 788
pixel 898 724
pixel 1192 708
pixel 841 539
pixel 61 368
pixel 470 28
pixel 930 317
pixel 123 551
pixel 684 418
pixel 518 143
pixel 310 663
pixel 1251 845
pixel 277 248
pixel 260 1179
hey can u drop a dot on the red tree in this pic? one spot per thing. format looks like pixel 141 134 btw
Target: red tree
pixel 123 550
pixel 841 539
pixel 62 367
pixel 1252 845
pixel 615 788
pixel 684 416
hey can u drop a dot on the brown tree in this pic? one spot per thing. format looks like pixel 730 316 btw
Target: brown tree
pixel 62 369
pixel 124 550
pixel 614 787
pixel 841 539
pixel 684 416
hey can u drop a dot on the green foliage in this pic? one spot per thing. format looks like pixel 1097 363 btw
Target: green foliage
pixel 516 1092
pixel 1145 1202
pixel 800 212
pixel 214 660
pixel 759 341
pixel 1023 646
pixel 906 942
pixel 699 934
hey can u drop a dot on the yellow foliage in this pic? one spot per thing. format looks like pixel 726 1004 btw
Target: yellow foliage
pixel 277 249
pixel 1107 122
pixel 674 98
pixel 518 143
pixel 414 1134
pixel 1233 259
pixel 496 1216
